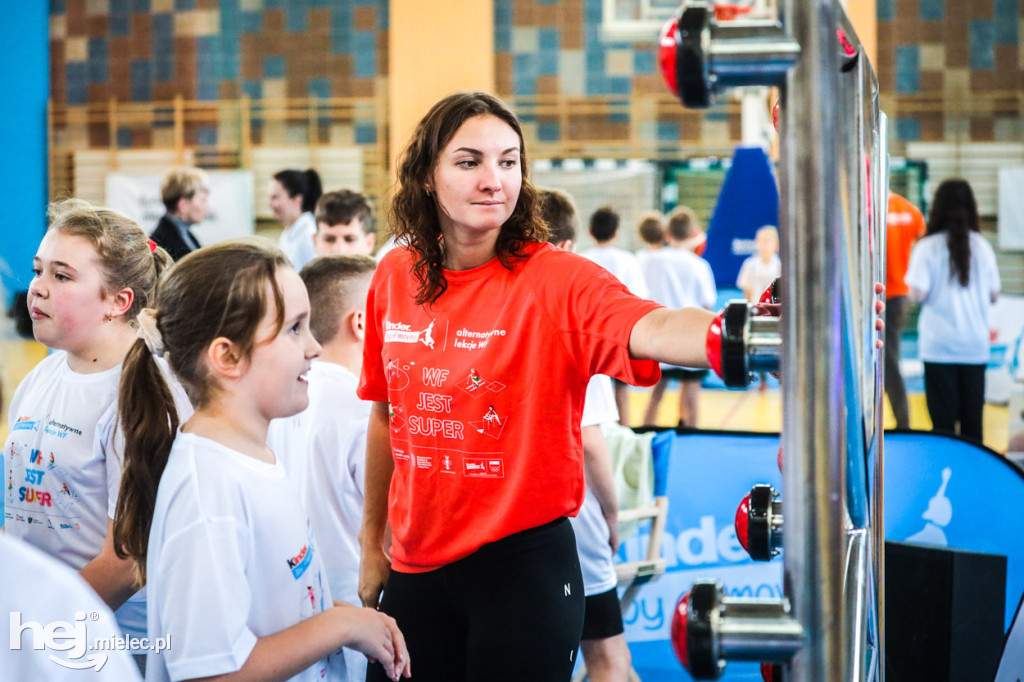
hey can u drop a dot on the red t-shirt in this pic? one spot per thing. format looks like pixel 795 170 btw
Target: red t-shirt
pixel 486 390
pixel 904 225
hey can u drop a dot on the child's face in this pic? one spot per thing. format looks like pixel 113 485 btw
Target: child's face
pixel 66 298
pixel 347 239
pixel 767 245
pixel 276 372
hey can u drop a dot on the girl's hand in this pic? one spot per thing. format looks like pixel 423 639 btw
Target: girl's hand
pixel 376 636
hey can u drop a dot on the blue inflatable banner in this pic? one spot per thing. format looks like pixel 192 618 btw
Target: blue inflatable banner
pixel 708 476
pixel 938 490
pixel 748 200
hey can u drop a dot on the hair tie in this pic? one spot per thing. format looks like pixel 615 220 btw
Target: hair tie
pixel 149 333
pixel 152 246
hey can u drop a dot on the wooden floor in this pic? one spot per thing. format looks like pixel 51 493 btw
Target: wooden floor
pixel 752 410
pixel 755 410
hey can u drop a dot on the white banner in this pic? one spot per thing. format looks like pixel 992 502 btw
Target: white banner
pixel 231 202
pixel 1006 364
pixel 1011 209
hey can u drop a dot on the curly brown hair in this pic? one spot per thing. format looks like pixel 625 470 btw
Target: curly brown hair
pixel 414 213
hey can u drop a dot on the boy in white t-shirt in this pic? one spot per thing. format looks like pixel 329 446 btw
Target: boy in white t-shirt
pixel 603 642
pixel 323 448
pixel 604 228
pixel 759 271
pixel 677 277
pixel 651 229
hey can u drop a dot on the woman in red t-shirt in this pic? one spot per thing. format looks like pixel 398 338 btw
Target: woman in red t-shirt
pixel 480 340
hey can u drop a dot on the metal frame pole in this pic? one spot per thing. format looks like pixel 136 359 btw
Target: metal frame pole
pixel 812 434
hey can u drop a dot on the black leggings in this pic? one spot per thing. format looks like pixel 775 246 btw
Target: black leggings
pixel 895 388
pixel 512 610
pixel 955 393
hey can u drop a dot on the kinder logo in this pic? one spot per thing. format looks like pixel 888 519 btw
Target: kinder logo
pixel 301 561
pixel 396 332
pixel 25 424
pixel 706 545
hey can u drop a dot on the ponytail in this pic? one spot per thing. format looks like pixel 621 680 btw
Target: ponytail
pixel 314 190
pixel 306 183
pixel 149 421
pixel 223 290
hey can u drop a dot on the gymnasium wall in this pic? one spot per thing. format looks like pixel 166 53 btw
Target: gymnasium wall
pixel 553 51
pixel 936 58
pixel 952 70
pixel 207 50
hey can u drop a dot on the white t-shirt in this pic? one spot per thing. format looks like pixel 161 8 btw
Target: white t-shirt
pixel 643 256
pixel 297 240
pixel 622 264
pixel 60 481
pixel 231 559
pixel 62 465
pixel 323 449
pixel 756 275
pixel 677 278
pixel 953 326
pixel 589 525
pixel 37 589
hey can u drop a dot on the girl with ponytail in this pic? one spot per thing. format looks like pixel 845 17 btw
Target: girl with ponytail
pixel 93 272
pixel 953 275
pixel 233 572
pixel 293 195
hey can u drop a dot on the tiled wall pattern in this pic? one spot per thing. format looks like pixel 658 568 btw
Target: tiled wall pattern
pixel 937 57
pixel 555 48
pixel 154 50
pixel 934 55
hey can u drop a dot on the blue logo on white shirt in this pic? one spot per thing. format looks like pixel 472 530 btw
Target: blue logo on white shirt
pixel 301 561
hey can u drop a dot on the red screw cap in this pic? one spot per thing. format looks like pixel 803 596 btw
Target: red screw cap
pixel 770 672
pixel 742 521
pixel 679 630
pixel 713 344
pixel 667 54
